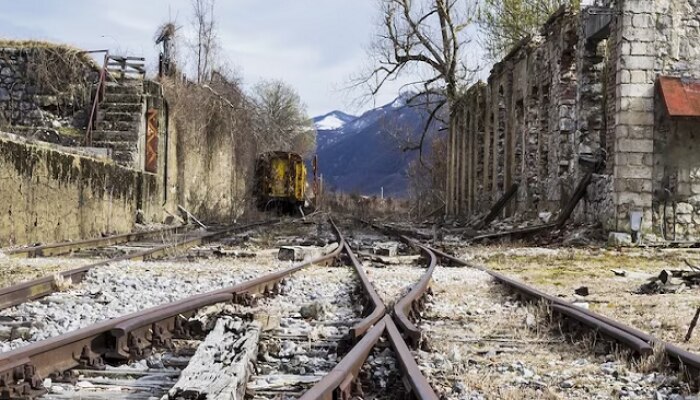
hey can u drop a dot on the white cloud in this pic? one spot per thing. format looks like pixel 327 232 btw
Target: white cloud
pixel 315 45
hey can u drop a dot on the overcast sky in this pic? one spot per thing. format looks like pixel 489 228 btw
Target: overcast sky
pixel 315 45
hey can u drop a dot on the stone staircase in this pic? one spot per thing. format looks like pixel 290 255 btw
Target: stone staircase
pixel 120 120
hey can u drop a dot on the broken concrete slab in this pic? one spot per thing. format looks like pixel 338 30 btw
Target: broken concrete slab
pixel 298 253
pixel 304 253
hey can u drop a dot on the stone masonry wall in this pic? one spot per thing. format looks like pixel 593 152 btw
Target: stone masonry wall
pixel 44 85
pixel 50 195
pixel 656 158
pixel 541 111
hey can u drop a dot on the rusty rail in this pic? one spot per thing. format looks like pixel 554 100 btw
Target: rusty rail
pixel 57 249
pixel 605 325
pixel 337 384
pixel 22 371
pixel 40 287
pixel 374 302
pixel 408 305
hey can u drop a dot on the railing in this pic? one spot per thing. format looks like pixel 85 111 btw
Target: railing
pixel 114 67
pixel 99 94
pixel 126 67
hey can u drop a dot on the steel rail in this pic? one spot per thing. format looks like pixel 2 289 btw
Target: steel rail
pixel 373 299
pixel 23 370
pixel 408 305
pixel 675 353
pixel 616 331
pixel 40 287
pixel 337 384
pixel 417 383
pixel 57 249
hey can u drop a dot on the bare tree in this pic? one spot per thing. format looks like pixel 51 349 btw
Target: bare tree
pixel 282 121
pixel 205 44
pixel 423 38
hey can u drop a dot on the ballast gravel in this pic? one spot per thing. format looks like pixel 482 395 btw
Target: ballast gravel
pixel 123 288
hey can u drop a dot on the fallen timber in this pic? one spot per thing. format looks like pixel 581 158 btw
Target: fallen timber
pixel 23 371
pixel 40 287
pixel 563 217
pixel 338 383
pixel 498 207
pixel 57 249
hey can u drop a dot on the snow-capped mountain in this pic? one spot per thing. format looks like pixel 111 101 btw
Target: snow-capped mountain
pixel 334 120
pixel 364 154
pixel 329 127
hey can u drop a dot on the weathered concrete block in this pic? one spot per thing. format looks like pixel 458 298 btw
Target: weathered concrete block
pixel 638 62
pixel 634 199
pixel 635 118
pixel 642 21
pixel 684 208
pixel 298 253
pixel 635 146
pixel 639 172
pixel 619 239
pixel 637 89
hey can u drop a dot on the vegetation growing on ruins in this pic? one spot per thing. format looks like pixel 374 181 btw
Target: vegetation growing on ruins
pixel 505 23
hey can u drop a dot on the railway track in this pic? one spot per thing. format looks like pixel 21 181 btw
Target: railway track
pixel 24 371
pixel 40 287
pixel 335 332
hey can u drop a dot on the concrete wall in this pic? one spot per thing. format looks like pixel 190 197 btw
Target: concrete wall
pixel 211 154
pixel 51 195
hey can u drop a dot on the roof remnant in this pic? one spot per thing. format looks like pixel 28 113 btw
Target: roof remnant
pixel 681 96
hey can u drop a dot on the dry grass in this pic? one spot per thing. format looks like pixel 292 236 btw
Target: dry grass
pixel 483 332
pixel 560 272
pixel 46 45
pixel 62 284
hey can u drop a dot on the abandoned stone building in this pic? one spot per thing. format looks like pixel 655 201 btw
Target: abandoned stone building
pixel 87 150
pixel 607 93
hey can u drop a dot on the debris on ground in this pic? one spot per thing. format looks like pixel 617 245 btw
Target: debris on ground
pixel 670 281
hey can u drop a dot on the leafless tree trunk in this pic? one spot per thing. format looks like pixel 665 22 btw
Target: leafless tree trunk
pixel 205 45
pixel 425 38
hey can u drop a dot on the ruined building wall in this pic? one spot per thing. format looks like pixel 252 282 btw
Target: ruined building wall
pixel 43 85
pixel 51 195
pixel 529 124
pixel 213 150
pixel 588 89
pixel 656 158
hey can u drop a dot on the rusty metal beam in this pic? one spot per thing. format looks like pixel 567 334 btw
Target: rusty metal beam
pixel 498 207
pixel 57 249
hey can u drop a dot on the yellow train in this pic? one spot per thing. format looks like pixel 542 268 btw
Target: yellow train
pixel 280 181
